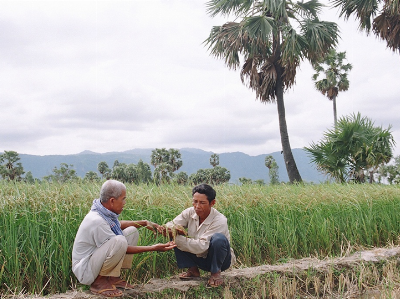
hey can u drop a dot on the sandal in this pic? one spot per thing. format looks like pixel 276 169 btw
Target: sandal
pixel 215 281
pixel 117 293
pixel 188 275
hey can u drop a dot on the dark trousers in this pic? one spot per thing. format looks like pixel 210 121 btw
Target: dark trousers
pixel 218 257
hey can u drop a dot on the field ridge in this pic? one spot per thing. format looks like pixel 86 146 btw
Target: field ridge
pixel 234 276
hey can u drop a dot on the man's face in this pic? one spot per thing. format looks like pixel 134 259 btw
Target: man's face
pixel 118 203
pixel 202 206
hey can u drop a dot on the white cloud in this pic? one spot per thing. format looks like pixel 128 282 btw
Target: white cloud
pixel 116 75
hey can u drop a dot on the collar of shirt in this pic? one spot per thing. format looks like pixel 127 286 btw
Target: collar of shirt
pixel 208 220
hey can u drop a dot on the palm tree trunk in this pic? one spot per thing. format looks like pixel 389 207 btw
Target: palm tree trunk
pixel 371 177
pixel 291 167
pixel 334 110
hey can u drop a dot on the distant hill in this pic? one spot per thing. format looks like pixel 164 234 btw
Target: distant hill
pixel 238 163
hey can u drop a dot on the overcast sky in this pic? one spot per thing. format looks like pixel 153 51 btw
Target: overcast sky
pixel 118 75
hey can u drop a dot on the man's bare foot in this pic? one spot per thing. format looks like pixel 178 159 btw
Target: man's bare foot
pixel 216 279
pixel 103 287
pixel 120 283
pixel 191 273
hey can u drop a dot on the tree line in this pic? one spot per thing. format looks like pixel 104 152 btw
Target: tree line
pixel 354 150
pixel 166 163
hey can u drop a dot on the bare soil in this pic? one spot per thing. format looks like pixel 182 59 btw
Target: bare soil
pixel 233 275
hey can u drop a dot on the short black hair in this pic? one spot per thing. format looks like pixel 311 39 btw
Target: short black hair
pixel 205 189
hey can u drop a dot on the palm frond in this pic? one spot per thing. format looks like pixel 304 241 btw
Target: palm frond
pixel 321 36
pixel 387 27
pixel 268 43
pixel 261 77
pixel 309 9
pixel 364 10
pixel 294 46
pixel 226 42
pixel 259 28
pixel 343 84
pixel 227 7
pixel 275 8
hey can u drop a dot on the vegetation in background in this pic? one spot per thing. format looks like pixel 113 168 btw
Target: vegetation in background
pixel 104 170
pixel 63 174
pixel 353 150
pixel 128 173
pixel 272 38
pixel 91 176
pixel 273 168
pixel 181 178
pixel 391 172
pixel 268 223
pixel 382 17
pixel 215 175
pixel 10 168
pixel 165 163
pixel 214 160
pixel 244 180
pixel 335 79
pixel 29 177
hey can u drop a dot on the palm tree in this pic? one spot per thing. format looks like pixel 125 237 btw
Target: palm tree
pixel 174 160
pixel 10 168
pixel 165 163
pixel 103 169
pixel 214 160
pixel 273 168
pixel 353 148
pixel 382 16
pixel 335 79
pixel 272 37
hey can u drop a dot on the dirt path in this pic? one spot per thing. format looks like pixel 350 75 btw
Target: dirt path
pixel 158 285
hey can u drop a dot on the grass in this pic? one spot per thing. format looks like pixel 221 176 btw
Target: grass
pixel 38 224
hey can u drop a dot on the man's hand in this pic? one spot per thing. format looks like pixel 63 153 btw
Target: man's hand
pixel 152 226
pixel 163 231
pixel 180 230
pixel 164 247
pixel 171 232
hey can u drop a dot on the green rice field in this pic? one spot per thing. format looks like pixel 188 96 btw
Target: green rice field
pixel 268 224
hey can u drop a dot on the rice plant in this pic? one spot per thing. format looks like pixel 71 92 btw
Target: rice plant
pixel 38 224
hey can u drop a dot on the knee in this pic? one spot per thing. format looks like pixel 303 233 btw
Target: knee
pixel 120 243
pixel 132 235
pixel 130 231
pixel 219 240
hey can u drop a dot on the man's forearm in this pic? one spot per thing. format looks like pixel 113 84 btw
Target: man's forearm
pixel 139 249
pixel 137 224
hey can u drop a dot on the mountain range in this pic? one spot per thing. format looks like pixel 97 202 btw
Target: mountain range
pixel 239 164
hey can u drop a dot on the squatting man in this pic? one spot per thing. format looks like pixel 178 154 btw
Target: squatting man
pixel 207 243
pixel 104 245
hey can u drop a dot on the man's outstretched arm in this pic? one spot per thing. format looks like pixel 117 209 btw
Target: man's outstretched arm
pixel 156 247
pixel 143 223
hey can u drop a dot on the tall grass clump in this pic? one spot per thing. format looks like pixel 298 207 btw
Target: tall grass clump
pixel 273 222
pixel 38 224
